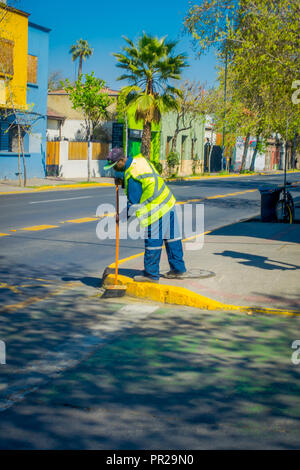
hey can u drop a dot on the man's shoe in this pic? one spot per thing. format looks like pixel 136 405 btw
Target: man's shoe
pixel 175 275
pixel 145 279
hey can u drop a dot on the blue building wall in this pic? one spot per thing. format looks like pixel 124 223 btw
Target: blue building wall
pixel 36 145
pixel 35 141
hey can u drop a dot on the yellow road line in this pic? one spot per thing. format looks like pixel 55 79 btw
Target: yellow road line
pixel 57 187
pixel 14 289
pixel 141 253
pixel 231 194
pixel 4 234
pixel 31 300
pixel 196 236
pixel 39 227
pixel 83 220
pixel 112 214
pixel 121 261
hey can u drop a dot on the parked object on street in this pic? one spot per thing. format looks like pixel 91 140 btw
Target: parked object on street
pixel 269 199
pixel 277 205
pixel 285 210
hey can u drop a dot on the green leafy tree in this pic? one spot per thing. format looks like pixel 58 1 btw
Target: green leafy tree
pixel 89 98
pixel 261 40
pixel 81 50
pixel 149 66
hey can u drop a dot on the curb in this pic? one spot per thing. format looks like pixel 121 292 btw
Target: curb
pixel 58 187
pixel 181 296
pixel 233 175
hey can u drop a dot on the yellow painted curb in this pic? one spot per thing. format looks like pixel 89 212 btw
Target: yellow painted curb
pixel 57 187
pixel 181 296
pixel 192 178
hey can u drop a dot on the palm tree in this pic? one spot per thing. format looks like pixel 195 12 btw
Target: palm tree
pixel 82 50
pixel 149 66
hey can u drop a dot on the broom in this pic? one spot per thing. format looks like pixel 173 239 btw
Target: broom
pixel 115 290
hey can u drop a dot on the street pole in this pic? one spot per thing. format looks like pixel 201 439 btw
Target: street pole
pixel 225 92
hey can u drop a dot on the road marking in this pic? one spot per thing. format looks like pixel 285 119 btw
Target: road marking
pixel 14 289
pixel 4 234
pixel 112 214
pixel 83 220
pixel 32 300
pixel 56 200
pixel 40 227
pixel 231 194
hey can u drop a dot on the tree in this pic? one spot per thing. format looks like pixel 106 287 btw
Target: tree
pixel 89 97
pixel 262 42
pixel 82 50
pixel 210 22
pixel 121 112
pixel 191 105
pixel 54 80
pixel 150 65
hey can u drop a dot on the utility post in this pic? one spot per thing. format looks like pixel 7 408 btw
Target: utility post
pixel 224 127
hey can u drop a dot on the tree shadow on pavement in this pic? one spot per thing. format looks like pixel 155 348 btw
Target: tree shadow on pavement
pixel 289 233
pixel 181 379
pixel 261 262
pixel 97 282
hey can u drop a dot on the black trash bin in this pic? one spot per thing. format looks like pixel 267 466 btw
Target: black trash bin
pixel 269 199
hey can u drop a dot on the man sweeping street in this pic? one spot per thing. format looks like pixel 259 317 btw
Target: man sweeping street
pixel 154 205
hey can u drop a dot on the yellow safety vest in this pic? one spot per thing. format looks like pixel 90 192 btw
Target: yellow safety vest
pixel 156 199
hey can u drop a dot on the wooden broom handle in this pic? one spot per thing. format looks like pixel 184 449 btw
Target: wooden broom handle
pixel 117 237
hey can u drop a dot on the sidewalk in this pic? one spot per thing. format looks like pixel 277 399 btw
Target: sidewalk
pixel 51 182
pixel 256 267
pixel 231 175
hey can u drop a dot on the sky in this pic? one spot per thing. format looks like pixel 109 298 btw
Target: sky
pixel 103 23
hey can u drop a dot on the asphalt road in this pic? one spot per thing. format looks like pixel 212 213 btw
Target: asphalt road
pixel 74 249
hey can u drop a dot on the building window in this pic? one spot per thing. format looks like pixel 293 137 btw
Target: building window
pixel 168 145
pixel 183 147
pixel 14 139
pixel 32 69
pixel 193 148
pixel 4 137
pixel 7 57
pixel 2 92
pixel 9 137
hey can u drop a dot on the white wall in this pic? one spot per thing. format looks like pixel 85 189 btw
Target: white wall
pixel 52 129
pixel 260 157
pixel 78 168
pixel 74 129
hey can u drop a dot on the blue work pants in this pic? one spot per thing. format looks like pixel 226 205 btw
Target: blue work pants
pixel 165 230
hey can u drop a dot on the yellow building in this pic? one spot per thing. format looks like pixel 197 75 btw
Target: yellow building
pixel 13 57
